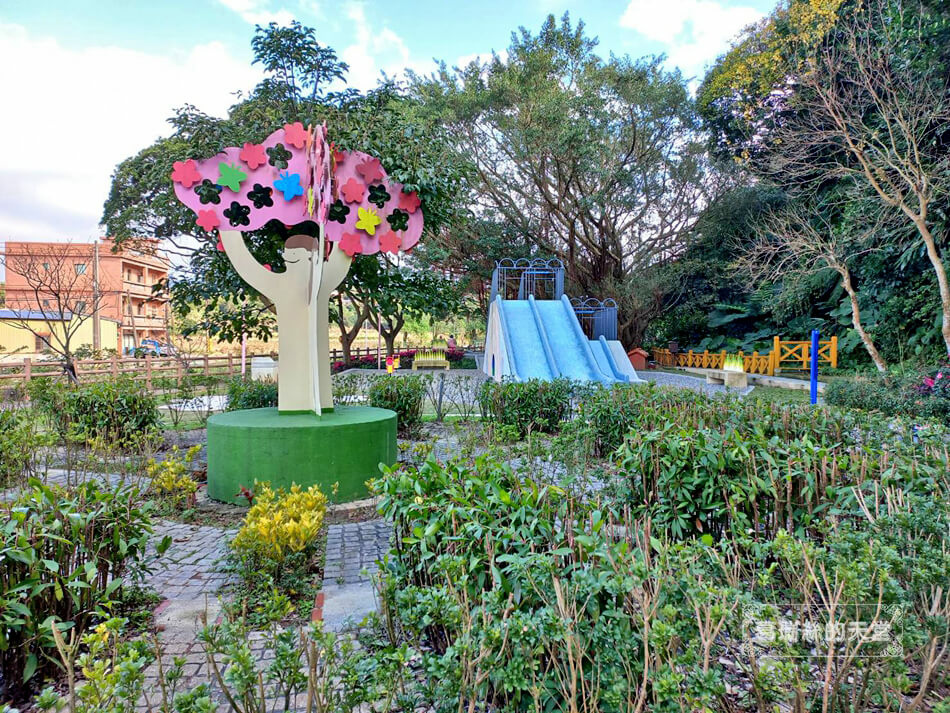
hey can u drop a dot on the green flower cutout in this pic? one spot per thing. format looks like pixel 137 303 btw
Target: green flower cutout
pixel 238 214
pixel 398 220
pixel 278 156
pixel 378 195
pixel 208 192
pixel 338 212
pixel 230 176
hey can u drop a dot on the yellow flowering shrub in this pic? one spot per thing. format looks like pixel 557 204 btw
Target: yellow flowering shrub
pixel 279 522
pixel 171 477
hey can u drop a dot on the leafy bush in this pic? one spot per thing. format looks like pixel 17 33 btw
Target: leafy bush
pixel 280 523
pixel 117 410
pixel 245 393
pixel 65 553
pixel 171 480
pixel 925 397
pixel 528 406
pixel 402 394
pixel 19 442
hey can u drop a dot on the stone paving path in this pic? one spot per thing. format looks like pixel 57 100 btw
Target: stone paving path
pixel 353 552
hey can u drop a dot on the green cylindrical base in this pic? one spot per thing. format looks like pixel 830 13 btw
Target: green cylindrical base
pixel 344 447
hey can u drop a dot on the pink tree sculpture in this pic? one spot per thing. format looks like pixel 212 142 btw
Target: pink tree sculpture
pixel 294 176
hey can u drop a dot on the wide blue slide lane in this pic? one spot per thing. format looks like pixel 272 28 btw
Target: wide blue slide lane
pixel 527 348
pixel 571 352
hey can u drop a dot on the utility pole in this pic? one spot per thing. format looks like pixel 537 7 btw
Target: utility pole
pixel 96 298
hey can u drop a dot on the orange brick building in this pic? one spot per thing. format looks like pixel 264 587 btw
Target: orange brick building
pixel 125 279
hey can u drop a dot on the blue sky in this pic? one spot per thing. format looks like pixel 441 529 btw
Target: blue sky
pixel 103 75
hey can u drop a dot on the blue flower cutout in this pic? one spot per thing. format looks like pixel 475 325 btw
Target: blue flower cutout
pixel 289 185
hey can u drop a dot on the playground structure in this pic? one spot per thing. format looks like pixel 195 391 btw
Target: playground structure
pixel 535 331
pixel 296 177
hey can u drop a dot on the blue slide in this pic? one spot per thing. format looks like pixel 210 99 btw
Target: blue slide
pixel 542 339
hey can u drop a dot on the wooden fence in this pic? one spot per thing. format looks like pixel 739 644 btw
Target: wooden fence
pixel 788 355
pixel 144 369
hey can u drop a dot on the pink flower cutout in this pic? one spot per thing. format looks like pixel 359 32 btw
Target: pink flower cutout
pixel 409 202
pixel 353 191
pixel 295 134
pixel 370 170
pixel 390 242
pixel 350 244
pixel 208 220
pixel 253 155
pixel 185 173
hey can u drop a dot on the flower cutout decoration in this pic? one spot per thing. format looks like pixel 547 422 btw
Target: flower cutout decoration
pixel 338 155
pixel 390 242
pixel 338 212
pixel 289 185
pixel 398 220
pixel 353 191
pixel 208 192
pixel 230 176
pixel 378 195
pixel 368 220
pixel 371 170
pixel 409 202
pixel 186 173
pixel 278 156
pixel 350 244
pixel 295 134
pixel 238 214
pixel 261 196
pixel 208 220
pixel 253 155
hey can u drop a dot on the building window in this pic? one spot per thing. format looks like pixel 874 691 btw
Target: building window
pixel 80 307
pixel 42 342
pixel 46 266
pixel 80 268
pixel 46 303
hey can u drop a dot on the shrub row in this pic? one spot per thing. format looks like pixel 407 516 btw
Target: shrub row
pixel 916 397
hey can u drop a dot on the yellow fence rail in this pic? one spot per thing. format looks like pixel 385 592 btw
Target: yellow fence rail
pixel 788 355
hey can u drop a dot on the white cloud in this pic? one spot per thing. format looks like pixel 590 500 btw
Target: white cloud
pixel 77 113
pixel 375 51
pixel 694 32
pixel 256 12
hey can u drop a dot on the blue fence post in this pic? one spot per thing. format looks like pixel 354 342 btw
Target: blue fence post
pixel 814 366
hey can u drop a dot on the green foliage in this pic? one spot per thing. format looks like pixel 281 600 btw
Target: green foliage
pixel 528 406
pixel 171 481
pixel 402 394
pixel 19 442
pixel 65 552
pixel 119 411
pixel 891 395
pixel 246 393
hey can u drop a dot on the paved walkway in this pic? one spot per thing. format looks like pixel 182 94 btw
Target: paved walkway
pixel 353 553
pixel 696 383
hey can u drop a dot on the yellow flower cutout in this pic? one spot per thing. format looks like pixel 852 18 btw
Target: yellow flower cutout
pixel 368 220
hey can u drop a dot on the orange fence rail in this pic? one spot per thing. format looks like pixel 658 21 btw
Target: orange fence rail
pixel 788 355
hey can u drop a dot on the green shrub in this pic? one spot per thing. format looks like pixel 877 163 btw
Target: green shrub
pixel 118 411
pixel 899 396
pixel 528 406
pixel 19 441
pixel 245 393
pixel 402 394
pixel 65 552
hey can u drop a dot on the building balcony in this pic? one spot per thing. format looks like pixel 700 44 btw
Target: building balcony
pixel 140 289
pixel 142 322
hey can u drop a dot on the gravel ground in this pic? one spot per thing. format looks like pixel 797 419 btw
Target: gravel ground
pixel 662 378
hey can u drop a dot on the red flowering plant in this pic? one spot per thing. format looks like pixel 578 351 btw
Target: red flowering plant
pixel 937 383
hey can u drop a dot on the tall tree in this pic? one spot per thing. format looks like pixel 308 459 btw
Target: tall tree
pixel 595 161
